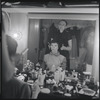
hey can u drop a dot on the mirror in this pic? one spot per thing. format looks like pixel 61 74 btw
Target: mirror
pixel 82 33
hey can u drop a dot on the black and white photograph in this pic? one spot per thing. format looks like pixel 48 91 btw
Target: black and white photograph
pixel 50 50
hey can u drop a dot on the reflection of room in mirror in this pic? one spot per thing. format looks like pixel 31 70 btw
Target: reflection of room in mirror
pixel 77 30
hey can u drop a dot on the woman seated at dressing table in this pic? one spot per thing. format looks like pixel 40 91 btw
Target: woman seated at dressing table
pixel 54 60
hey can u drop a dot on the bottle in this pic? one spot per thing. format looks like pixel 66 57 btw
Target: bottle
pixel 62 75
pixel 73 73
pixel 53 68
pixel 56 76
pixel 41 79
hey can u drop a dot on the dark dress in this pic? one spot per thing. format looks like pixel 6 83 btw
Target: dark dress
pixel 63 39
pixel 16 89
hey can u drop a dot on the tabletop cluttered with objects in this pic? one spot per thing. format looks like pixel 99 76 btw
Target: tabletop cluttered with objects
pixel 61 83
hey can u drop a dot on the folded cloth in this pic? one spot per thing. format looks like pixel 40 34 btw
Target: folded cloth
pixel 45 90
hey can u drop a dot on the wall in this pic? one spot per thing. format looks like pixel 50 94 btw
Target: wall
pixel 33 40
pixel 19 23
pixel 78 23
pixel 95 70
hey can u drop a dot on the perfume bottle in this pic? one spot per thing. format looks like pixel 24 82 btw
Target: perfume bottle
pixel 97 90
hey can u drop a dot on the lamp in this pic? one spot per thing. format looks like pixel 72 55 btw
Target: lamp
pixel 16 35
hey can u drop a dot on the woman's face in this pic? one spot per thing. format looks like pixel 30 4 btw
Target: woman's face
pixel 54 47
pixel 62 25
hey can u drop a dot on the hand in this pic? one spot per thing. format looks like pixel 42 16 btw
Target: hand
pixel 35 91
pixel 48 45
pixel 63 48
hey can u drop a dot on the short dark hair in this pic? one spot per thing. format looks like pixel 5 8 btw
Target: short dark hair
pixel 12 45
pixel 64 21
pixel 54 41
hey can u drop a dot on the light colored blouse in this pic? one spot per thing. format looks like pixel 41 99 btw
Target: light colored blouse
pixel 54 60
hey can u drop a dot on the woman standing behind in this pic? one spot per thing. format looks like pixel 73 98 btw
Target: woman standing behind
pixel 64 38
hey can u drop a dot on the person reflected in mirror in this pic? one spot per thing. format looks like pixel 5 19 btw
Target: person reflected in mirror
pixel 54 60
pixel 64 38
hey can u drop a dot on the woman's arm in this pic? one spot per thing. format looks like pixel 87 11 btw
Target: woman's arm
pixel 35 91
pixel 69 47
pixel 7 67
